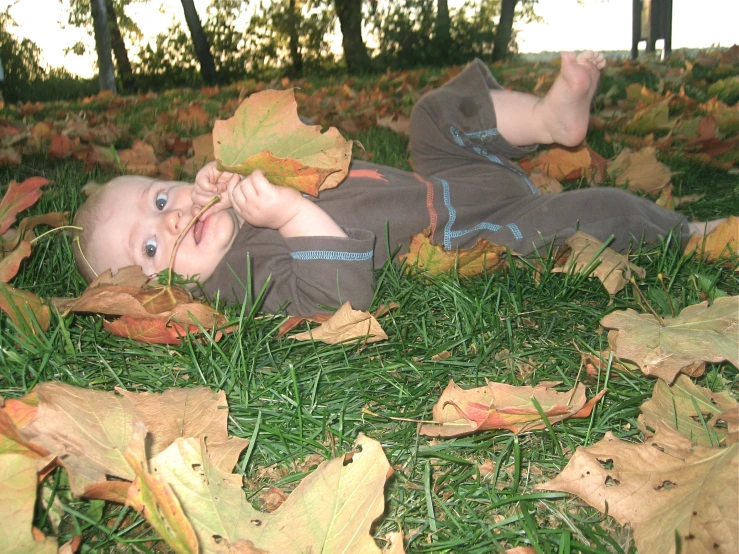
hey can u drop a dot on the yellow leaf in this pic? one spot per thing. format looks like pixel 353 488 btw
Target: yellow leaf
pixel 346 325
pixel 723 241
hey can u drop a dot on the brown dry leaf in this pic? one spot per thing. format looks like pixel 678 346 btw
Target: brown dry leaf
pixel 521 550
pixel 154 314
pixel 565 164
pixel 17 198
pixel 139 159
pixel 699 334
pixel 544 183
pixel 151 495
pixel 331 510
pixel 668 201
pixel 63 146
pixel 613 269
pixel 24 308
pixel 10 157
pixel 18 484
pixel 640 171
pixel 346 325
pixel 202 153
pixel 89 430
pixel 14 415
pixel 653 117
pixel 499 406
pixel 398 123
pixel 26 227
pixel 690 410
pixel 266 133
pixel 664 487
pixel 435 260
pixel 193 117
pixel 723 241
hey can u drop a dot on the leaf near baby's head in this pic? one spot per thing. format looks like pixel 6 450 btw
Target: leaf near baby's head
pixel 266 133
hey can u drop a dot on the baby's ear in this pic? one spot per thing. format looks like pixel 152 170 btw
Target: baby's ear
pixel 91 188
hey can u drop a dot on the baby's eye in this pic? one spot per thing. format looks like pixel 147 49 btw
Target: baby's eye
pixel 161 200
pixel 150 247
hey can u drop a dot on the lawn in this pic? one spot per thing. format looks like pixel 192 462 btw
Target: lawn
pixel 304 402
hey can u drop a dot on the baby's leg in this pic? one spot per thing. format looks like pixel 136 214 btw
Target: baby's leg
pixel 562 115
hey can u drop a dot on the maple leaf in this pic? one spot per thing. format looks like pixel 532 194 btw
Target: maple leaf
pixel 500 406
pixel 154 314
pixel 202 148
pixel 139 159
pixel 14 415
pixel 18 484
pixel 720 242
pixel 332 509
pixel 640 171
pixel 346 325
pixel 566 164
pixel 588 253
pixel 18 197
pixel 433 259
pixel 265 133
pixel 691 410
pixel 664 487
pixel 701 333
pixel 90 430
pixel 544 183
pixel 653 117
pixel 669 201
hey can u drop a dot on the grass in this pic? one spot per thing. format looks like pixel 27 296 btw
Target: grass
pixel 518 327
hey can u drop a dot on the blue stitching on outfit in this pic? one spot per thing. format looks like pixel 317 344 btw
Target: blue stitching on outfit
pixel 449 234
pixel 457 137
pixel 307 255
pixel 482 135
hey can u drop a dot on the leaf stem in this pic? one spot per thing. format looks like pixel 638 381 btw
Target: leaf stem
pixel 182 234
pixel 54 230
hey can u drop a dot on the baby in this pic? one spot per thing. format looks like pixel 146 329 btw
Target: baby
pixel 312 254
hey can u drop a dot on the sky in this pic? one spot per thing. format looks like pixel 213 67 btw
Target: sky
pixel 567 25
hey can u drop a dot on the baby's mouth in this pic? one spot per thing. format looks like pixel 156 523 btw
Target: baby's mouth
pixel 197 231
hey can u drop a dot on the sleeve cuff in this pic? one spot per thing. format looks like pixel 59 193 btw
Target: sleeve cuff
pixel 357 246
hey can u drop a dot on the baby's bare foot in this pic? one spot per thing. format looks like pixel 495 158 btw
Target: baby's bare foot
pixel 565 109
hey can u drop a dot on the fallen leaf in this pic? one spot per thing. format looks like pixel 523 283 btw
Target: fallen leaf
pixel 24 308
pixel 265 133
pixel 152 496
pixel 544 183
pixel 10 157
pixel 154 314
pixel 586 253
pixel 722 241
pixel 654 117
pixel 565 164
pixel 668 201
pixel 433 259
pixel 640 171
pixel 139 159
pixel 12 237
pixel 10 264
pixel 346 325
pixel 18 197
pixel 16 413
pixel 690 410
pixel 203 153
pixel 701 333
pixel 90 430
pixel 499 406
pixel 331 510
pixel 63 146
pixel 18 484
pixel 665 487
pixel 193 117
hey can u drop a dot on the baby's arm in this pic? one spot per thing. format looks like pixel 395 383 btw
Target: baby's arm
pixel 262 204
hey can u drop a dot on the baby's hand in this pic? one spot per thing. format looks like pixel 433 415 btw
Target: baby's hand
pixel 210 182
pixel 262 204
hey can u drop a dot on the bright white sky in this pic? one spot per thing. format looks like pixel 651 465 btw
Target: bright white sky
pixel 568 25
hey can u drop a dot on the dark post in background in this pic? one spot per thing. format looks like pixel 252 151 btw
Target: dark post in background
pixel 651 21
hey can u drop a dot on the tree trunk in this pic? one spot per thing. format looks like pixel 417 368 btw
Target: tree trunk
pixel 504 31
pixel 296 58
pixel 106 76
pixel 350 19
pixel 443 25
pixel 200 41
pixel 119 47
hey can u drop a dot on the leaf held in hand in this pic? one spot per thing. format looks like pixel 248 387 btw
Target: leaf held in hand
pixel 588 253
pixel 701 333
pixel 433 259
pixel 266 133
pixel 499 406
pixel 664 487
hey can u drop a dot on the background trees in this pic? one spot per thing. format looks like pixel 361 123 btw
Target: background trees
pixel 236 39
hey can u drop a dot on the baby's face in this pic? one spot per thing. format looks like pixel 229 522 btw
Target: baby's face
pixel 141 220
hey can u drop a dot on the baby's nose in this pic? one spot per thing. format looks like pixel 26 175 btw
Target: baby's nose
pixel 176 220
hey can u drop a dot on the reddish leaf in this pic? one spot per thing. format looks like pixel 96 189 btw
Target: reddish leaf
pixel 10 264
pixel 24 306
pixel 63 146
pixel 18 197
